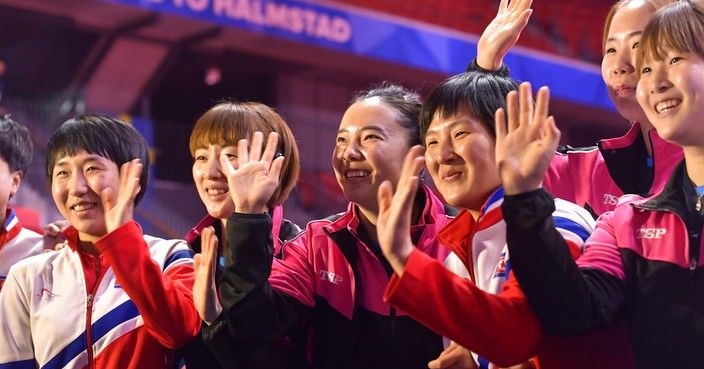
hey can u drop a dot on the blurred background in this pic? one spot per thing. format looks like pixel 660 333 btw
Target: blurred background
pixel 159 64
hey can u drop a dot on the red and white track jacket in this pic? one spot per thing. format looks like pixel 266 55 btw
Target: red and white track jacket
pixel 16 243
pixel 139 310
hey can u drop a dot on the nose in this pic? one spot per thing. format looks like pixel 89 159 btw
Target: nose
pixel 658 81
pixel 77 185
pixel 625 61
pixel 446 152
pixel 352 151
pixel 214 170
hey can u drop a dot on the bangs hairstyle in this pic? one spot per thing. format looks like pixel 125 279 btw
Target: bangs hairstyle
pixel 655 4
pixel 102 135
pixel 407 104
pixel 481 93
pixel 678 26
pixel 16 147
pixel 228 122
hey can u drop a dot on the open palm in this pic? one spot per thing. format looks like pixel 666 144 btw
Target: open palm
pixel 525 146
pixel 255 180
pixel 503 32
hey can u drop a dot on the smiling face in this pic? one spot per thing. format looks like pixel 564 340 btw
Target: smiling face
pixel 370 148
pixel 211 181
pixel 671 92
pixel 620 49
pixel 77 181
pixel 460 158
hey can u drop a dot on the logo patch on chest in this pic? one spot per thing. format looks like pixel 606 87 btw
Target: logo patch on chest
pixel 651 233
pixel 330 277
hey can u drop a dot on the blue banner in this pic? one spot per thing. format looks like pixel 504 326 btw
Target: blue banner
pixel 388 38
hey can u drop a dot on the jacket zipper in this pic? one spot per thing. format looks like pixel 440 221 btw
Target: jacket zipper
pixel 89 316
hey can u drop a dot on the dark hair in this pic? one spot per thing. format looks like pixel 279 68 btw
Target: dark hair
pixel 102 135
pixel 228 122
pixel 407 104
pixel 481 93
pixel 678 26
pixel 16 147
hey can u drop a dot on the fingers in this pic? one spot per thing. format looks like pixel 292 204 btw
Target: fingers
pixel 271 146
pixel 525 97
pixel 275 170
pixel 537 129
pixel 384 196
pixel 552 133
pixel 504 4
pixel 512 110
pixel 500 123
pixel 209 247
pixel 242 153
pixel 226 165
pixel 255 150
pixel 107 196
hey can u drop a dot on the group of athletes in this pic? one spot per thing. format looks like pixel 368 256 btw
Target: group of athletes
pixel 406 276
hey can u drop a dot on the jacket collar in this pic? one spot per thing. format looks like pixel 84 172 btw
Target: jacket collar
pixel 671 198
pixel 625 159
pixel 433 218
pixel 10 228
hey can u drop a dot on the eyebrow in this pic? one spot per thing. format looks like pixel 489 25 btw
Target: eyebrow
pixel 449 125
pixel 365 128
pixel 634 33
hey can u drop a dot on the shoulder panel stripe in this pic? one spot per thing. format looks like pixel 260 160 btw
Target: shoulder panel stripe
pixel 126 311
pixel 178 256
pixel 572 226
pixel 24 364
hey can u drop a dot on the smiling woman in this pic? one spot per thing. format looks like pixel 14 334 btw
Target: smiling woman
pixel 67 306
pixel 330 278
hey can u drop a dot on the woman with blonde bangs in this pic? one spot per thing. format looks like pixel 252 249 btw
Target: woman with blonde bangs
pixel 643 261
pixel 235 179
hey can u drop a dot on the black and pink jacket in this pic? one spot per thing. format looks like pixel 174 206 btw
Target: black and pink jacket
pixel 642 264
pixel 325 293
pixel 595 177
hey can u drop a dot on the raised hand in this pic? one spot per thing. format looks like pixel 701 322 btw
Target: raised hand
pixel 503 32
pixel 254 181
pixel 454 357
pixel 526 146
pixel 118 203
pixel 394 222
pixel 205 295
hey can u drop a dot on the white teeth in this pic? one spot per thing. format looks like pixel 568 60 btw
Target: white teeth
pixel 665 105
pixel 216 191
pixel 357 173
pixel 83 206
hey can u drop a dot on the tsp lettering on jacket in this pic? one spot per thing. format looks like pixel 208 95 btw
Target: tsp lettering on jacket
pixel 500 328
pixel 643 262
pixel 326 292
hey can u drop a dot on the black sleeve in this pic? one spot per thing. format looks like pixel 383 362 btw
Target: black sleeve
pixel 255 318
pixel 568 300
pixel 474 67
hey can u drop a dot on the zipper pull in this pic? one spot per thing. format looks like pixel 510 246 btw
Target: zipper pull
pixel 698 206
pixel 693 264
pixel 89 300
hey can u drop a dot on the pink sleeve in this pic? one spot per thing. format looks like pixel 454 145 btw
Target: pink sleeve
pixel 293 273
pixel 601 251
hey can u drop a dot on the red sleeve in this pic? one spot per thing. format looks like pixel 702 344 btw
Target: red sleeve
pixel 501 328
pixel 165 301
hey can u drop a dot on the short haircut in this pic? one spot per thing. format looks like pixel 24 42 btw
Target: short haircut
pixel 678 26
pixel 101 135
pixel 228 122
pixel 16 147
pixel 480 92
pixel 405 102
